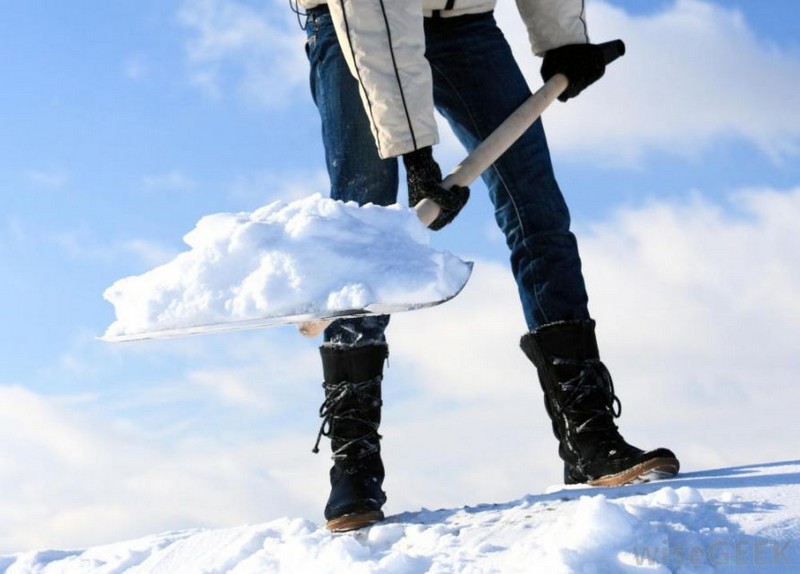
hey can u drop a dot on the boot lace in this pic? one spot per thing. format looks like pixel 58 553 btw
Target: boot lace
pixel 344 402
pixel 590 396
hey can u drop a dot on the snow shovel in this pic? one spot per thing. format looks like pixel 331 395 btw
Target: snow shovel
pixel 463 174
pixel 483 156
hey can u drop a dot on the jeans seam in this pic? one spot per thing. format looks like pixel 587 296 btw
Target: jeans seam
pixel 534 290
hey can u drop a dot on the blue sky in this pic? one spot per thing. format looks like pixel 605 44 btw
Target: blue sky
pixel 125 122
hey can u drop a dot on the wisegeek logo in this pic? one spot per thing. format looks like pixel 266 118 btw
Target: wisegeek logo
pixel 722 552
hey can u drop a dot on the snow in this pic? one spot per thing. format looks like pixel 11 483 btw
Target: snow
pixel 309 256
pixel 743 520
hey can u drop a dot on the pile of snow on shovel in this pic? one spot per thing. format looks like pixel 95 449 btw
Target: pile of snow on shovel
pixel 309 256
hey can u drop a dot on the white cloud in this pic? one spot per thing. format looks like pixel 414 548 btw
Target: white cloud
pixel 136 68
pixel 71 474
pixel 82 245
pixel 234 387
pixel 730 273
pixel 15 230
pixel 258 52
pixel 149 252
pixel 173 180
pixel 51 179
pixel 698 311
pixel 260 188
pixel 78 244
pixel 693 74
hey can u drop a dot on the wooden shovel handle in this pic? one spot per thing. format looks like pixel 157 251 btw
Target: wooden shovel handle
pixel 495 145
pixel 490 149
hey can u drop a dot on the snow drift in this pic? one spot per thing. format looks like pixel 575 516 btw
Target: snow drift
pixel 744 520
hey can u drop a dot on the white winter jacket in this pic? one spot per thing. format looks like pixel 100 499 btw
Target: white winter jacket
pixel 384 44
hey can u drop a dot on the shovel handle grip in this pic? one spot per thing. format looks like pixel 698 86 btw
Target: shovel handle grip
pixel 612 50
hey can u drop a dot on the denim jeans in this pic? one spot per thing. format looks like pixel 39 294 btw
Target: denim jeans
pixel 476 84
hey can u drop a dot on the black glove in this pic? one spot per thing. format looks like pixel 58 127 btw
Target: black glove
pixel 424 179
pixel 582 64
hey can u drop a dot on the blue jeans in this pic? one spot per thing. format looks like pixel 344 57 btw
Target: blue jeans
pixel 476 85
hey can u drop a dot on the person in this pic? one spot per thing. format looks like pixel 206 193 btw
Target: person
pixel 377 72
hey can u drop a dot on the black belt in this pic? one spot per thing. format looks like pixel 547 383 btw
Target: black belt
pixel 437 24
pixel 318 11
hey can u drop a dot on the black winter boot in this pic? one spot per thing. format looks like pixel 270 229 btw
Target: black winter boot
pixel 351 415
pixel 579 397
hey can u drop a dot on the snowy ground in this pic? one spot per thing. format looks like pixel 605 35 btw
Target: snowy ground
pixel 743 519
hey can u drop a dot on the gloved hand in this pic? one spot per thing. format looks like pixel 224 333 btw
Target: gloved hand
pixel 424 178
pixel 582 64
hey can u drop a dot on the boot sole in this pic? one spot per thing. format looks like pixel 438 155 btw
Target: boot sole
pixel 354 521
pixel 654 469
